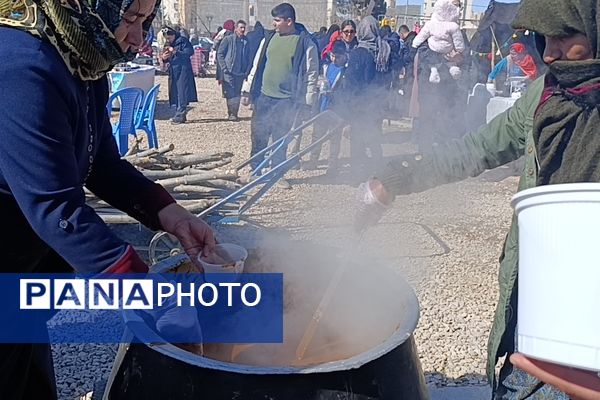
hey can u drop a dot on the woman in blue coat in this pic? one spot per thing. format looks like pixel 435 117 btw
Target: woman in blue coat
pixel 56 140
pixel 182 86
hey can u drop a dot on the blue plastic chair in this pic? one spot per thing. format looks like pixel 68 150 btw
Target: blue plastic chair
pixel 145 117
pixel 129 99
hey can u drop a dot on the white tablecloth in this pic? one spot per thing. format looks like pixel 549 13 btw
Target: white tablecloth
pixel 498 105
pixel 142 77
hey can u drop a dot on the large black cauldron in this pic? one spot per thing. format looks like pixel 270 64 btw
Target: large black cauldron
pixel 389 368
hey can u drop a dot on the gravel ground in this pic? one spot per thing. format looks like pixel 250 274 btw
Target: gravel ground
pixel 446 241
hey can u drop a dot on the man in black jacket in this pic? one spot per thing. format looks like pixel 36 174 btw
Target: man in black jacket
pixel 255 37
pixel 407 37
pixel 283 82
pixel 232 57
pixel 406 84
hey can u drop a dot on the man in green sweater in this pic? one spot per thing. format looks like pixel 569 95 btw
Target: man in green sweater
pixel 555 126
pixel 282 82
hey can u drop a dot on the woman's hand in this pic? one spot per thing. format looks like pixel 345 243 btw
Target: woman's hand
pixel 193 233
pixel 578 384
pixel 166 55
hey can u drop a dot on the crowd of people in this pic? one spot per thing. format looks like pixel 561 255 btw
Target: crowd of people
pixel 387 74
pixel 288 74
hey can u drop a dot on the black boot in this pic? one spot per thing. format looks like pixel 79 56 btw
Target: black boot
pixel 178 119
pixel 233 107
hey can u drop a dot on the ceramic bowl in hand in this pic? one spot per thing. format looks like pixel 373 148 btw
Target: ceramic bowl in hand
pixel 225 258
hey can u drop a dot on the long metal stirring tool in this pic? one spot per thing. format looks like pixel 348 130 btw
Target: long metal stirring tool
pixel 327 296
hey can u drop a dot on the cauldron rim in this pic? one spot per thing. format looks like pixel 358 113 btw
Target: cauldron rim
pixel 154 341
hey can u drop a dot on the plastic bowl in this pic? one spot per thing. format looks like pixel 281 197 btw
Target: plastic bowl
pixel 226 258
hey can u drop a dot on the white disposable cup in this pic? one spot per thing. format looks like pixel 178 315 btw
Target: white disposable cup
pixel 231 259
pixel 559 274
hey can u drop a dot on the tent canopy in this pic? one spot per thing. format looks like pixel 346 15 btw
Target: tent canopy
pixel 498 17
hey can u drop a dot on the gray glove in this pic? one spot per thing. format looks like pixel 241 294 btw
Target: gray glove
pixel 370 209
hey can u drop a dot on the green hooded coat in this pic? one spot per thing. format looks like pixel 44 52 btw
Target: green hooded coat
pixel 506 138
pixel 554 128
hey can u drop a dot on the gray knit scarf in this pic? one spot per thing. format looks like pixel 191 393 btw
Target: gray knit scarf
pixel 567 119
pixel 367 33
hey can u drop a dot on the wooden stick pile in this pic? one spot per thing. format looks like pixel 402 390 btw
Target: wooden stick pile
pixel 196 181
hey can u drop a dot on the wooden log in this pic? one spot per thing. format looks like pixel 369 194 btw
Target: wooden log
pixel 170 173
pixel 97 203
pixel 113 216
pixel 189 196
pixel 165 149
pixel 142 162
pixel 200 205
pixel 151 152
pixel 131 150
pixel 89 195
pixel 199 189
pixel 196 178
pixel 186 203
pixel 214 164
pixel 222 184
pixel 158 167
pixel 180 162
pixel 118 219
pixel 139 154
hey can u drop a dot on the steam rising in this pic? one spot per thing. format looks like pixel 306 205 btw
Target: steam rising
pixel 366 308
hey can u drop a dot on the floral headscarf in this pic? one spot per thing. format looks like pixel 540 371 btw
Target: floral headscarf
pixel 81 31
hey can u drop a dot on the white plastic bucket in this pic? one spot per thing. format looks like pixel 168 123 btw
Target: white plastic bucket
pixel 559 274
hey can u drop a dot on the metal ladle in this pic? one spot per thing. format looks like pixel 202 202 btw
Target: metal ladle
pixel 325 300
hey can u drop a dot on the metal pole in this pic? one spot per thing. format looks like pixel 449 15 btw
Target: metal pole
pixel 246 14
pixel 406 14
pixel 464 18
pixel 493 63
pixel 252 16
pixel 330 13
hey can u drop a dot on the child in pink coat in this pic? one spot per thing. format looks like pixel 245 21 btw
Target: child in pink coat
pixel 443 37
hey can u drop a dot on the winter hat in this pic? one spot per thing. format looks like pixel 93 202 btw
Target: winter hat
pixel 445 10
pixel 229 25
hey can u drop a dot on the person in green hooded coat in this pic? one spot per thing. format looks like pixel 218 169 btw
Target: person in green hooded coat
pixel 555 126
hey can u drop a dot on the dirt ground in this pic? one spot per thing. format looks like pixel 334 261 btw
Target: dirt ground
pixel 445 241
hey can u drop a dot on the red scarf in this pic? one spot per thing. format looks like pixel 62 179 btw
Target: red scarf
pixel 334 37
pixel 526 62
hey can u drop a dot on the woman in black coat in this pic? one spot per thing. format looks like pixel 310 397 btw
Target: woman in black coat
pixel 65 131
pixel 254 38
pixel 182 87
pixel 363 95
